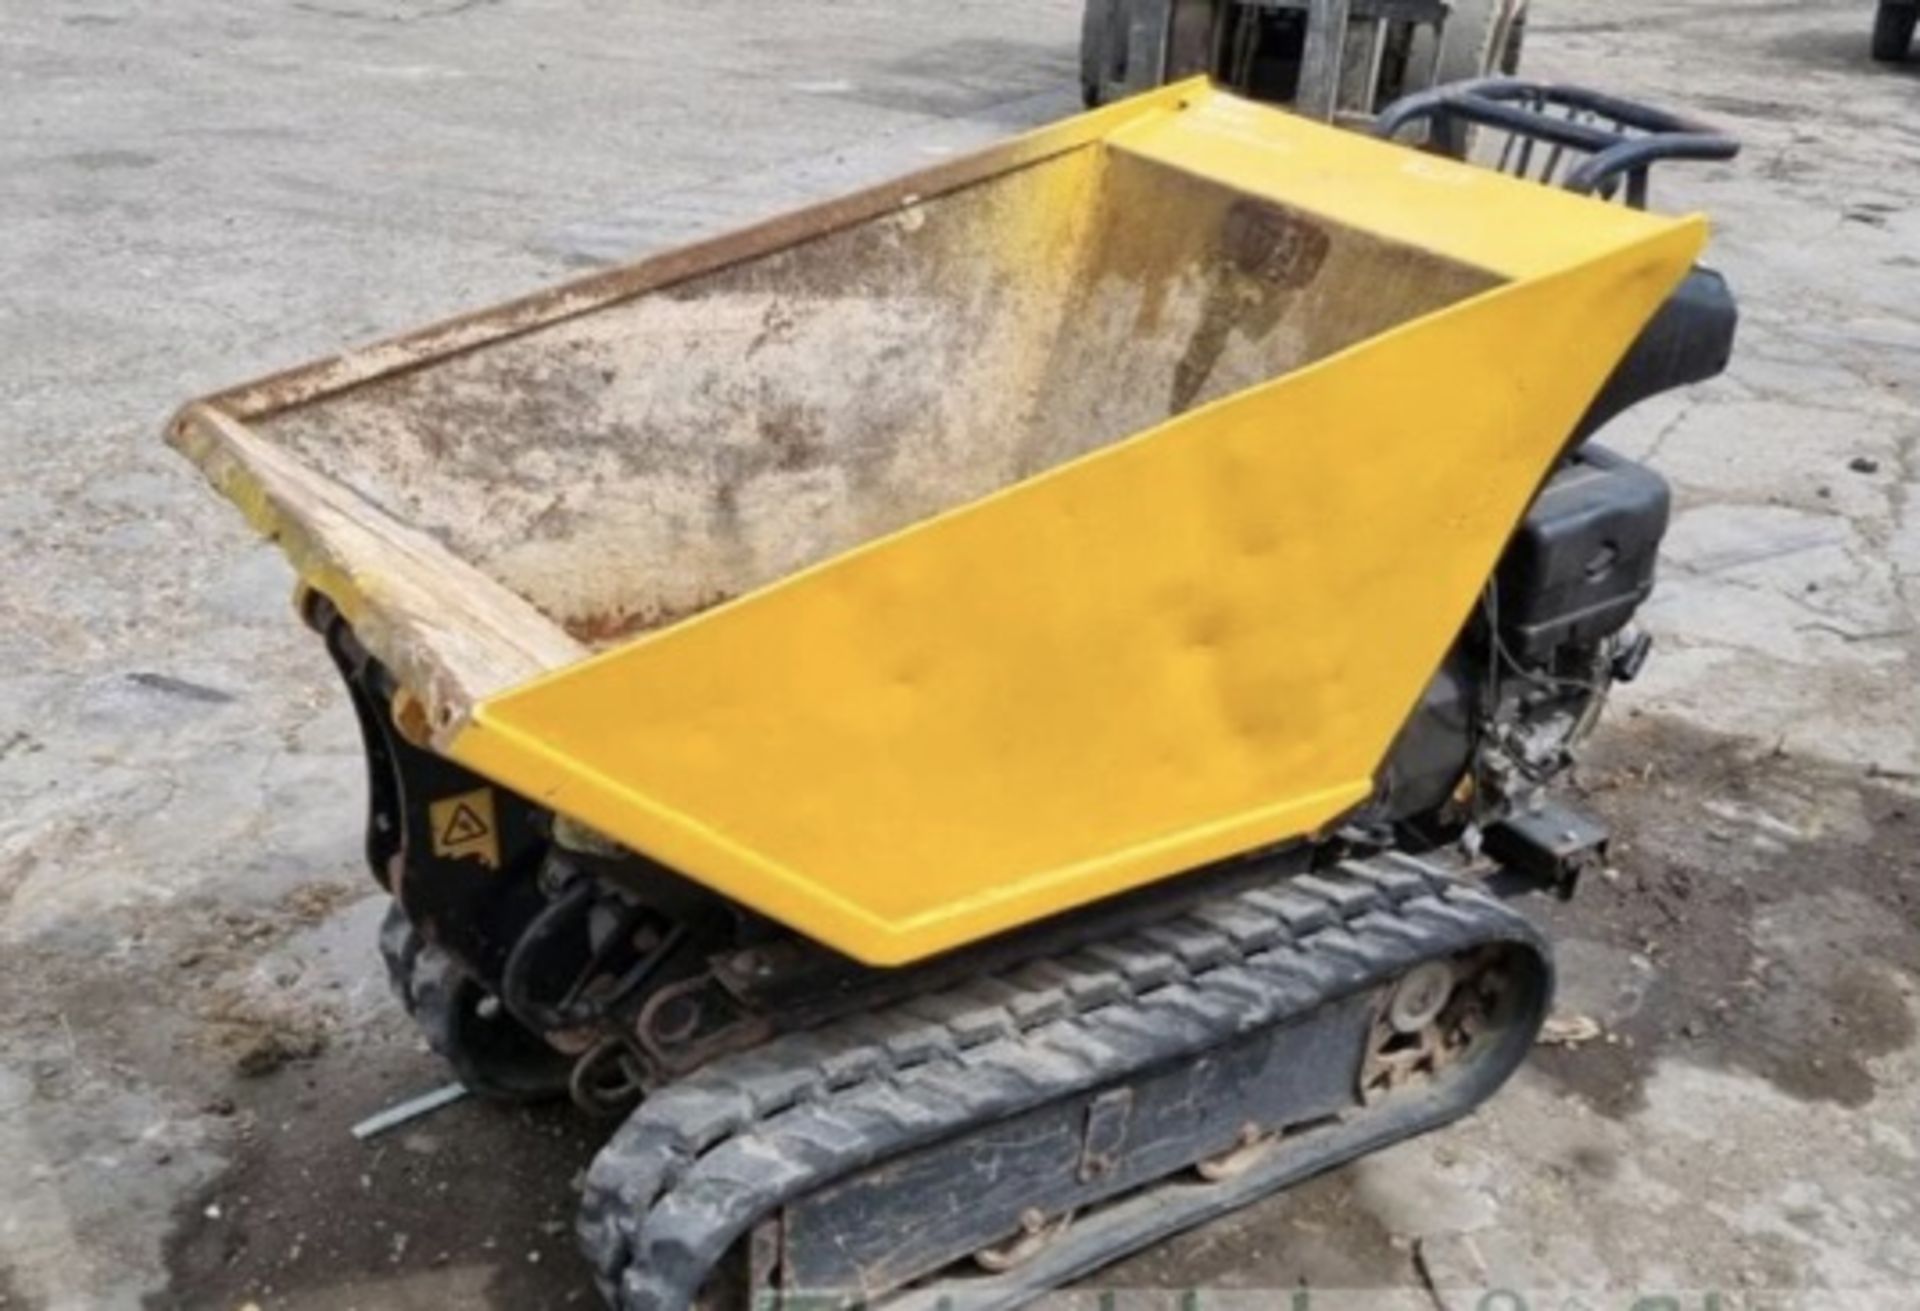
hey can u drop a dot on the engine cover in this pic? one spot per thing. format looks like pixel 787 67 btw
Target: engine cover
pixel 1583 559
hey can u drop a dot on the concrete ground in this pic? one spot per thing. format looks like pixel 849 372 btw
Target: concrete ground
pixel 190 1012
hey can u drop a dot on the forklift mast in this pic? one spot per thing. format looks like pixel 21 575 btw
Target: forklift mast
pixel 1334 60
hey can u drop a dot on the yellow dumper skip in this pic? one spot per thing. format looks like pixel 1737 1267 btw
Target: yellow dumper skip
pixel 953 554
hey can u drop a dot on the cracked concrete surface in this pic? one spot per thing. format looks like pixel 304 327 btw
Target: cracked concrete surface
pixel 197 192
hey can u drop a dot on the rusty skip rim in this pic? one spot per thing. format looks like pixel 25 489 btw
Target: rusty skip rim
pixel 292 388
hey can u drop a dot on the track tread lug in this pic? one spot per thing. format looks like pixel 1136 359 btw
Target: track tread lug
pixel 1396 882
pixel 1142 965
pixel 810 1133
pixel 911 1040
pixel 846 1068
pixel 892 1103
pixel 767 1159
pixel 963 1015
pixel 697 1116
pixel 1343 949
pixel 1047 995
pixel 1457 909
pixel 1298 913
pixel 771 1084
pixel 1094 982
pixel 1091 1043
pixel 1199 947
pixel 1425 870
pixel 974 1084
pixel 1410 933
pixel 1247 929
pixel 1168 1015
pixel 1348 897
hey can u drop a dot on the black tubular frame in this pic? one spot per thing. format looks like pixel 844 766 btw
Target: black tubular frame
pixel 1620 138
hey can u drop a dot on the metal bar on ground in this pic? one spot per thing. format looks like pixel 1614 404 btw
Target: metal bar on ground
pixel 395 1116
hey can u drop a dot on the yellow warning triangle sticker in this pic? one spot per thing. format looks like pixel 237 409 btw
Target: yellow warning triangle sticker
pixel 463 826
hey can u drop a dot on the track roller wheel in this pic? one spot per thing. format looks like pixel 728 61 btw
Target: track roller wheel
pixel 1255 1145
pixel 1430 1019
pixel 1037 1233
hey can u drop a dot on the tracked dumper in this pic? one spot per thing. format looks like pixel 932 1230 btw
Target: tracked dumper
pixel 1001 717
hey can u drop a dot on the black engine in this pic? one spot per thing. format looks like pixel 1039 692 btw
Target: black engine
pixel 1550 636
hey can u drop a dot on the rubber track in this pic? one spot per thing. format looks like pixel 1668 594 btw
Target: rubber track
pixel 702 1160
pixel 431 989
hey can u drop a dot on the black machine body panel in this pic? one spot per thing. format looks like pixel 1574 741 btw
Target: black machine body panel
pixel 1689 340
pixel 1436 746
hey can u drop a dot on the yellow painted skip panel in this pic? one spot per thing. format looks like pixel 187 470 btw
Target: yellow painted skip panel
pixel 1463 213
pixel 1186 645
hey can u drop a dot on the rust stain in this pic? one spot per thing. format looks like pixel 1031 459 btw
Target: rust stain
pixel 609 628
